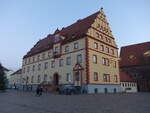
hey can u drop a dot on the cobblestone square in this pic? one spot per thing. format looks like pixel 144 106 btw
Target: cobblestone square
pixel 26 102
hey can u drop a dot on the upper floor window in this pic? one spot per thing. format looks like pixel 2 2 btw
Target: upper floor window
pixel 38 57
pixel 105 61
pixel 108 40
pixel 107 49
pixel 76 45
pixel 28 69
pixel 39 67
pixel 24 70
pixel 112 51
pixel 115 64
pixel 68 77
pixel 97 35
pixel 39 79
pixel 67 49
pixel 56 50
pixel 33 59
pixel 45 77
pixel 33 68
pixel 43 56
pixel 95 45
pixel 53 64
pixel 101 37
pixel 29 60
pixel 49 54
pixel 95 77
pixel 61 62
pixel 25 61
pixel 94 59
pixel 116 78
pixel 68 60
pixel 46 65
pixel 102 47
pixel 79 58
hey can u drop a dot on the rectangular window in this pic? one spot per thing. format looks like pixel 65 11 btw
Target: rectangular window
pixel 28 69
pixel 102 47
pixel 29 60
pixel 43 56
pixel 112 51
pixel 94 59
pixel 45 77
pixel 25 61
pixel 97 35
pixel 105 61
pixel 95 45
pixel 53 64
pixel 68 60
pixel 68 77
pixel 38 57
pixel 56 50
pixel 95 76
pixel 107 49
pixel 79 58
pixel 33 68
pixel 61 62
pixel 39 67
pixel 76 45
pixel 108 40
pixel 106 77
pixel 32 79
pixel 24 70
pixel 115 64
pixel 46 65
pixel 67 49
pixel 33 59
pixel 116 78
pixel 49 54
pixel 39 79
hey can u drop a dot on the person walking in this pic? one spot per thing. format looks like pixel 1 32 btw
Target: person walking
pixel 38 90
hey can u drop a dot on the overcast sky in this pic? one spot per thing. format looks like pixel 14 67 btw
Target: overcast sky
pixel 24 22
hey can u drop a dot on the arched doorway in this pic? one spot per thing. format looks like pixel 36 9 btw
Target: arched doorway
pixel 56 79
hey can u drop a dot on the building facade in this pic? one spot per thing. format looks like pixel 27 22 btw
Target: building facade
pixel 135 60
pixel 83 54
pixel 15 79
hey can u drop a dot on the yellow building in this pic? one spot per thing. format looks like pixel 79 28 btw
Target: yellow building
pixel 83 54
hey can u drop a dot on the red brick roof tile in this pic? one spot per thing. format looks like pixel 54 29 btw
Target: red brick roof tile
pixel 135 55
pixel 71 33
pixel 124 77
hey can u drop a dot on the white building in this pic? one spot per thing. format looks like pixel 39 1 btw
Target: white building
pixel 128 85
pixel 15 79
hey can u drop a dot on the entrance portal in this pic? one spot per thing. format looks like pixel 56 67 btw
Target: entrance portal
pixel 56 79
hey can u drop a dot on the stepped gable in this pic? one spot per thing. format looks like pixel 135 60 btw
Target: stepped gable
pixel 135 55
pixel 124 77
pixel 71 33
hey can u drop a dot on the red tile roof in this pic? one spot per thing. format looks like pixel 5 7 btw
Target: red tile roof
pixel 124 77
pixel 135 55
pixel 71 33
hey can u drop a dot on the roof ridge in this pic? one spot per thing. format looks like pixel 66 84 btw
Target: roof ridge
pixel 136 44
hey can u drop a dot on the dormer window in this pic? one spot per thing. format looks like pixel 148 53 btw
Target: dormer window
pixel 76 45
pixel 56 49
pixel 67 49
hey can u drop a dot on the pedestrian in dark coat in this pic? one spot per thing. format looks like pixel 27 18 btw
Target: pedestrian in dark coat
pixel 38 91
